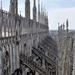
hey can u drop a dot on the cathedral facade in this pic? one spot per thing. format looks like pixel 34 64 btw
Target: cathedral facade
pixel 25 45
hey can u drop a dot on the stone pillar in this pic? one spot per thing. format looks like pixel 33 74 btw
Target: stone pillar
pixel 43 63
pixel 4 31
pixel 50 72
pixel 11 58
pixel 36 73
pixel 17 55
pixel 9 28
pixel 1 23
pixel 0 61
pixel 0 30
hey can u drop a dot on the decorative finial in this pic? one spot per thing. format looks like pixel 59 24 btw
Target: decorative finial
pixel 67 27
pixel 67 24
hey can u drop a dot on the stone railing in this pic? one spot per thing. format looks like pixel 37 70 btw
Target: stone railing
pixel 32 65
pixel 40 54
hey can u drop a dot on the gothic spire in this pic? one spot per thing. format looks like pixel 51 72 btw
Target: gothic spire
pixel 11 9
pixel 67 23
pixel 41 7
pixel 13 6
pixel 27 9
pixel 38 10
pixel 1 4
pixel 34 11
pixel 16 6
pixel 67 27
pixel 34 3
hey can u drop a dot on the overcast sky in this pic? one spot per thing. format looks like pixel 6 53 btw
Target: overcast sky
pixel 58 11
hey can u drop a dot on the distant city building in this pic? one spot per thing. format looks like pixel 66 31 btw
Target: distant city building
pixel 65 41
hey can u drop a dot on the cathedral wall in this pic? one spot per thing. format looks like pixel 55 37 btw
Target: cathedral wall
pixel 17 36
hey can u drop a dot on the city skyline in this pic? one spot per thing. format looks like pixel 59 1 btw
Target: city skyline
pixel 58 11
